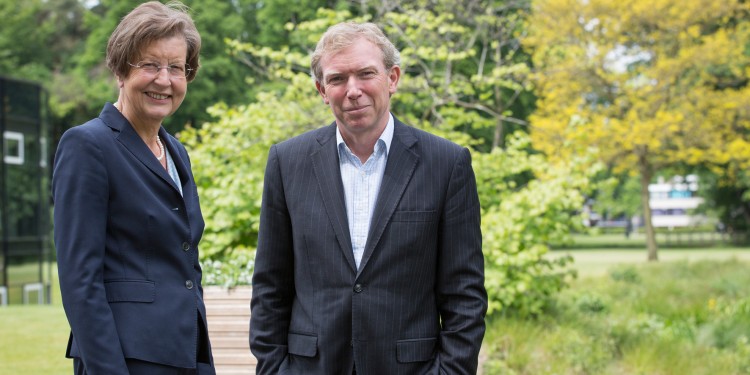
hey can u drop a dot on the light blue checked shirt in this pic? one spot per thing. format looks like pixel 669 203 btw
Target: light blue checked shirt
pixel 361 185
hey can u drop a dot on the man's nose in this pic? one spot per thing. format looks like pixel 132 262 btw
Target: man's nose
pixel 353 88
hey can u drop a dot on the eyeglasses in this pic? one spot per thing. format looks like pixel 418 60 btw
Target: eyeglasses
pixel 174 70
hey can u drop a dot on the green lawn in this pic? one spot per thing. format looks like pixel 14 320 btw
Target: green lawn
pixel 33 340
pixel 597 261
pixel 20 274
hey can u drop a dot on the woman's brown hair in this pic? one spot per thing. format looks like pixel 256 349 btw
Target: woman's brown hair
pixel 145 24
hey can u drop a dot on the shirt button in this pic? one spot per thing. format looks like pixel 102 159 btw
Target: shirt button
pixel 358 288
pixel 189 284
pixel 185 246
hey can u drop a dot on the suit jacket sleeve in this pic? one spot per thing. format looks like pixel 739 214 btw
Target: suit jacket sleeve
pixel 80 192
pixel 461 296
pixel 273 277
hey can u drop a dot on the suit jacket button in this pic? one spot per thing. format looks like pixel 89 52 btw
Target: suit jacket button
pixel 185 246
pixel 358 288
pixel 189 284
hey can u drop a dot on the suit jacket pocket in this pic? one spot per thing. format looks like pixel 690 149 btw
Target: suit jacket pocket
pixel 414 216
pixel 130 290
pixel 302 345
pixel 416 350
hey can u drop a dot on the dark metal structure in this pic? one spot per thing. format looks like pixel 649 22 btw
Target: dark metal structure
pixel 25 256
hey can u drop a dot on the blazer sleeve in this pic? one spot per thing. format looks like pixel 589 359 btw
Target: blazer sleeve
pixel 273 276
pixel 461 296
pixel 80 193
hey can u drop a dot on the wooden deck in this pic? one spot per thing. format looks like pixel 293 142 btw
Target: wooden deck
pixel 228 313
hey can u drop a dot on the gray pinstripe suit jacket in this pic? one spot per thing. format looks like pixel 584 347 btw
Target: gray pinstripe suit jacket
pixel 417 303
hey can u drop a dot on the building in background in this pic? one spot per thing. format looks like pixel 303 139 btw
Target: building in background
pixel 674 201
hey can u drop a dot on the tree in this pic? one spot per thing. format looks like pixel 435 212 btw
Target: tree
pixel 648 84
pixel 38 37
pixel 465 57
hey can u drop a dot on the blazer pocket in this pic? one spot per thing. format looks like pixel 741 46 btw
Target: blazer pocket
pixel 130 291
pixel 414 216
pixel 302 345
pixel 416 350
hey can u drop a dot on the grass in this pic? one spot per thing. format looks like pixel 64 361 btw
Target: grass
pixel 688 314
pixel 33 340
pixel 20 274
pixel 596 262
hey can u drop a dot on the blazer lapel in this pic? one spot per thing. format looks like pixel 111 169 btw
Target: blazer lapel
pixel 401 164
pixel 133 142
pixel 328 173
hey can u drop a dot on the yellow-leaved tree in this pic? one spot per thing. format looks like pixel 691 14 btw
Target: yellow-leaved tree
pixel 646 83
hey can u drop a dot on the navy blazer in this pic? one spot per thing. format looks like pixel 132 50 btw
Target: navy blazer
pixel 127 247
pixel 417 303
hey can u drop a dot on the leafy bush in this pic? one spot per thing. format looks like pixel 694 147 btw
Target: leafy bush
pixel 591 303
pixel 229 157
pixel 597 328
pixel 626 274
pixel 528 204
pixel 233 269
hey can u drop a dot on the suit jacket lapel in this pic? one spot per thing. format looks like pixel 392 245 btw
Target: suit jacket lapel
pixel 398 171
pixel 133 142
pixel 328 173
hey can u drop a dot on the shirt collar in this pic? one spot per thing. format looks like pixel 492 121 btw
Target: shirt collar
pixel 386 136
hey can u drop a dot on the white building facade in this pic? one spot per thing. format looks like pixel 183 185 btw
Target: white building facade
pixel 673 202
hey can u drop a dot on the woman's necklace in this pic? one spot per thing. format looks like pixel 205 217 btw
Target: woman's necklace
pixel 158 140
pixel 161 149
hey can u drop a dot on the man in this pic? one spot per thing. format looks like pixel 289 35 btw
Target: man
pixel 369 258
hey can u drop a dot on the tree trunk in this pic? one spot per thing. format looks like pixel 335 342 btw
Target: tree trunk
pixel 646 173
pixel 497 139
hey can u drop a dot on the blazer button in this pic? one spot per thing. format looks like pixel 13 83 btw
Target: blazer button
pixel 189 284
pixel 358 288
pixel 185 246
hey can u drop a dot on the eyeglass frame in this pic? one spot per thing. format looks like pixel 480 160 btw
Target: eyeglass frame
pixel 140 65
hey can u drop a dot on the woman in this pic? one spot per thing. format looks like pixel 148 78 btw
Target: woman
pixel 127 217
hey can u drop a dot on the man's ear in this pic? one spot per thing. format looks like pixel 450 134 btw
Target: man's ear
pixel 321 91
pixel 393 76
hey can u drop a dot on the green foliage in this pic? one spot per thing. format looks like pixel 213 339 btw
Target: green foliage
pixel 520 219
pixel 679 318
pixel 625 274
pixel 231 270
pixel 592 303
pixel 465 68
pixel 229 156
pixel 618 196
